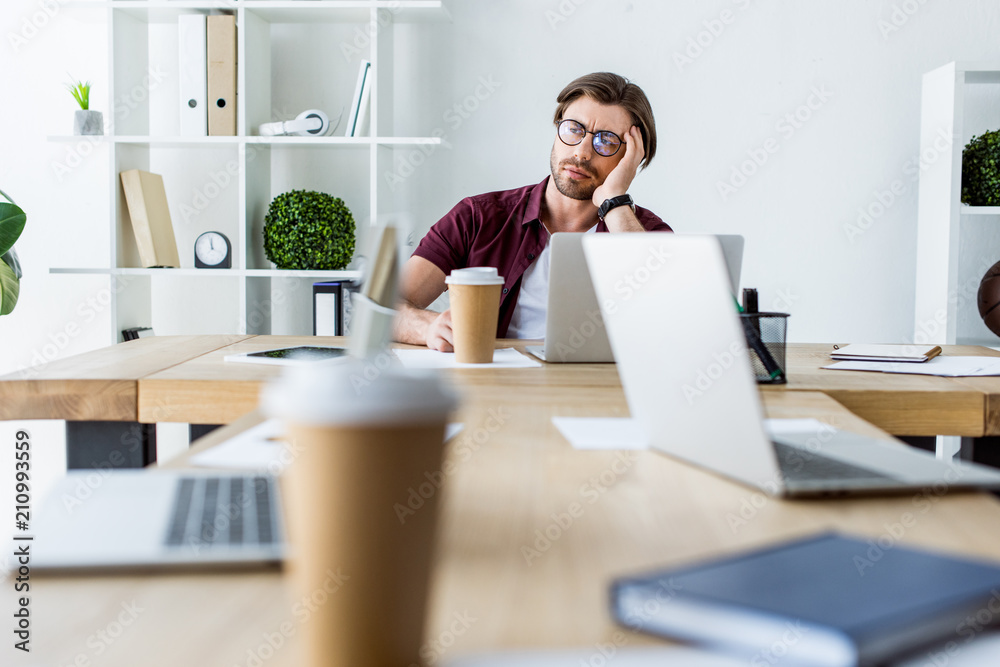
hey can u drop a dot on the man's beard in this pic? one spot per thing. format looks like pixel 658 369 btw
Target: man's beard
pixel 567 186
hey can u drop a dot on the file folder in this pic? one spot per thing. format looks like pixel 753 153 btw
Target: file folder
pixel 359 103
pixel 328 309
pixel 221 75
pixel 193 74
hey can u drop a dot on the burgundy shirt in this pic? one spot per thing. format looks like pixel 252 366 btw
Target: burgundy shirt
pixel 501 229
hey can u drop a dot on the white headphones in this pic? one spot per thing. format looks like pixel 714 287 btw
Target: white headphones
pixel 309 123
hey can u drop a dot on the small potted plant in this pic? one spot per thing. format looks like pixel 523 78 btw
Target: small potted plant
pixel 307 230
pixel 12 220
pixel 981 170
pixel 85 121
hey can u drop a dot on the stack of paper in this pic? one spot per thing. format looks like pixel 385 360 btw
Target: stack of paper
pixel 901 353
pixel 505 357
pixel 941 366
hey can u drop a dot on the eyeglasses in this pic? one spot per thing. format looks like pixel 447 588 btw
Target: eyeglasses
pixel 572 132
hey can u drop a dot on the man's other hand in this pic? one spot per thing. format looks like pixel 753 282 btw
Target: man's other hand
pixel 439 334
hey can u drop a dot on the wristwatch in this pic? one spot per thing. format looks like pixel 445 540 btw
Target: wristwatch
pixel 615 202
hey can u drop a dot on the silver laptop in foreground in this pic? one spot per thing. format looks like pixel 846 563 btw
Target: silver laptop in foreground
pixel 154 518
pixel 684 367
pixel 574 327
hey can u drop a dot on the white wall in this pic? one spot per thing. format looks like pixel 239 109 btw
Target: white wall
pixel 713 111
pixel 799 210
pixel 60 186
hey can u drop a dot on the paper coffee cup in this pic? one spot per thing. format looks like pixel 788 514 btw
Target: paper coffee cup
pixel 475 305
pixel 359 550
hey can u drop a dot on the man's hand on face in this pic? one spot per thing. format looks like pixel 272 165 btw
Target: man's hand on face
pixel 439 334
pixel 620 178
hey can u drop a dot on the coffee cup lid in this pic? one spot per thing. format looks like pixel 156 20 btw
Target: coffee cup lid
pixel 357 392
pixel 475 275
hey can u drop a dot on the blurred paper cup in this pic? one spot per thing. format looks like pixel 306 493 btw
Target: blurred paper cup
pixel 475 306
pixel 359 448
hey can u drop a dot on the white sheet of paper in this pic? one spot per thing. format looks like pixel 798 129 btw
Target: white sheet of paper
pixel 940 366
pixel 624 432
pixel 505 357
pixel 253 449
pixel 601 432
pixel 786 426
pixel 260 447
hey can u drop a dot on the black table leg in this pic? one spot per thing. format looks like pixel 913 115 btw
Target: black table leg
pixel 97 444
pixel 195 431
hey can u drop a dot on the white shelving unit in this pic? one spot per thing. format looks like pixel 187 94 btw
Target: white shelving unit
pixel 956 243
pixel 291 55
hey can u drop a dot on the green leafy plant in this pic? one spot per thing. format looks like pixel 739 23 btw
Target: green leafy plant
pixel 81 93
pixel 305 230
pixel 12 220
pixel 981 170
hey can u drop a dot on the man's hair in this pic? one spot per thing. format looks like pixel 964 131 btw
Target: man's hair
pixel 609 88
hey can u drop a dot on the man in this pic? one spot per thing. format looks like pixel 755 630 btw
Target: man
pixel 604 134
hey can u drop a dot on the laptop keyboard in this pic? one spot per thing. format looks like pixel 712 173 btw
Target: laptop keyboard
pixel 223 512
pixel 804 466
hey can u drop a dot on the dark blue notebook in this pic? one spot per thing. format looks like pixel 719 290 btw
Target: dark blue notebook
pixel 825 600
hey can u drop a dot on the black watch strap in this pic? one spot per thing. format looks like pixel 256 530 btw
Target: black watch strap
pixel 615 202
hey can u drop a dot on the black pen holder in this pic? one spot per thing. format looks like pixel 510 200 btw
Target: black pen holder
pixel 767 353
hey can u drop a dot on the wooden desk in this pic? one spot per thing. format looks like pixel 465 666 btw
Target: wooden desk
pixel 510 588
pixel 97 393
pixel 102 385
pixel 203 390
pixel 208 390
pixel 184 379
pixel 902 404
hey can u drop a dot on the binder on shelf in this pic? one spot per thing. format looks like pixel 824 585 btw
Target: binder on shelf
pixel 359 103
pixel 361 124
pixel 328 309
pixel 193 74
pixel 147 208
pixel 136 333
pixel 221 53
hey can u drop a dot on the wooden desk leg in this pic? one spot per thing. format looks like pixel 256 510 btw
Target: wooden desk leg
pixel 96 444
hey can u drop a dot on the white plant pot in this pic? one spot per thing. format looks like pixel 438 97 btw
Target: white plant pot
pixel 88 122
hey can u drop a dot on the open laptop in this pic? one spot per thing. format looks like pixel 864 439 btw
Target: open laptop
pixel 155 518
pixel 574 328
pixel 684 367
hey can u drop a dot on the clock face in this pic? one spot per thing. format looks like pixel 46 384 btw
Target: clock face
pixel 212 248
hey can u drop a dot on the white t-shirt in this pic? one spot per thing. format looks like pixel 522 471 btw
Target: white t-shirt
pixel 528 319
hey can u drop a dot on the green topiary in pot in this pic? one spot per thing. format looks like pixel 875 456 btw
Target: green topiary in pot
pixel 307 230
pixel 981 170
